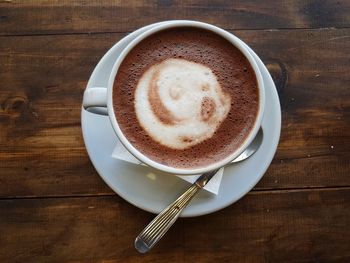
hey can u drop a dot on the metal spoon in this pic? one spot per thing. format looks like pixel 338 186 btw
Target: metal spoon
pixel 156 229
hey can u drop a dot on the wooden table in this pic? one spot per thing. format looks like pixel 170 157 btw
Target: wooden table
pixel 54 207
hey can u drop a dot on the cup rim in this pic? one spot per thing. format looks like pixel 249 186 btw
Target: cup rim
pixel 185 23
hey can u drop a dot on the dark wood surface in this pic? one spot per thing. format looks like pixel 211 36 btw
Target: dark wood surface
pixel 55 208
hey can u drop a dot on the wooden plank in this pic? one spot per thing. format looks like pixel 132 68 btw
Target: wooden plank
pixel 319 171
pixel 297 226
pixel 52 17
pixel 41 92
pixel 59 172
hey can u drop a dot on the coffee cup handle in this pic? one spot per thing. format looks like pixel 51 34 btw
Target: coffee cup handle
pixel 95 100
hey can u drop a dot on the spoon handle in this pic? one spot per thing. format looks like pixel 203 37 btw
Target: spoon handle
pixel 156 229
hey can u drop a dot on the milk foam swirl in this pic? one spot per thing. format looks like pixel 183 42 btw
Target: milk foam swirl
pixel 180 103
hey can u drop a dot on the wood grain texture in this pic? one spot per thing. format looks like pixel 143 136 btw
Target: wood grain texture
pixel 55 208
pixel 307 226
pixel 41 147
pixel 55 17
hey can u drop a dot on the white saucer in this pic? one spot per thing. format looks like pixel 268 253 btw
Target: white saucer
pixel 152 190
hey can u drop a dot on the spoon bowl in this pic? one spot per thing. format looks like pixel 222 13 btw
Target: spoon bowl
pixel 252 147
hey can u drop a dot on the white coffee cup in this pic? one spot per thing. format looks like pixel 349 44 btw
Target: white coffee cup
pixel 97 97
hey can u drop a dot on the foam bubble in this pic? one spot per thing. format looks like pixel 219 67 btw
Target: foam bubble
pixel 180 103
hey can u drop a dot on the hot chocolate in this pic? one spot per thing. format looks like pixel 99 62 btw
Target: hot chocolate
pixel 185 97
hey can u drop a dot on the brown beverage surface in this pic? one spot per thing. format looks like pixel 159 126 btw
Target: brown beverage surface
pixel 233 72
